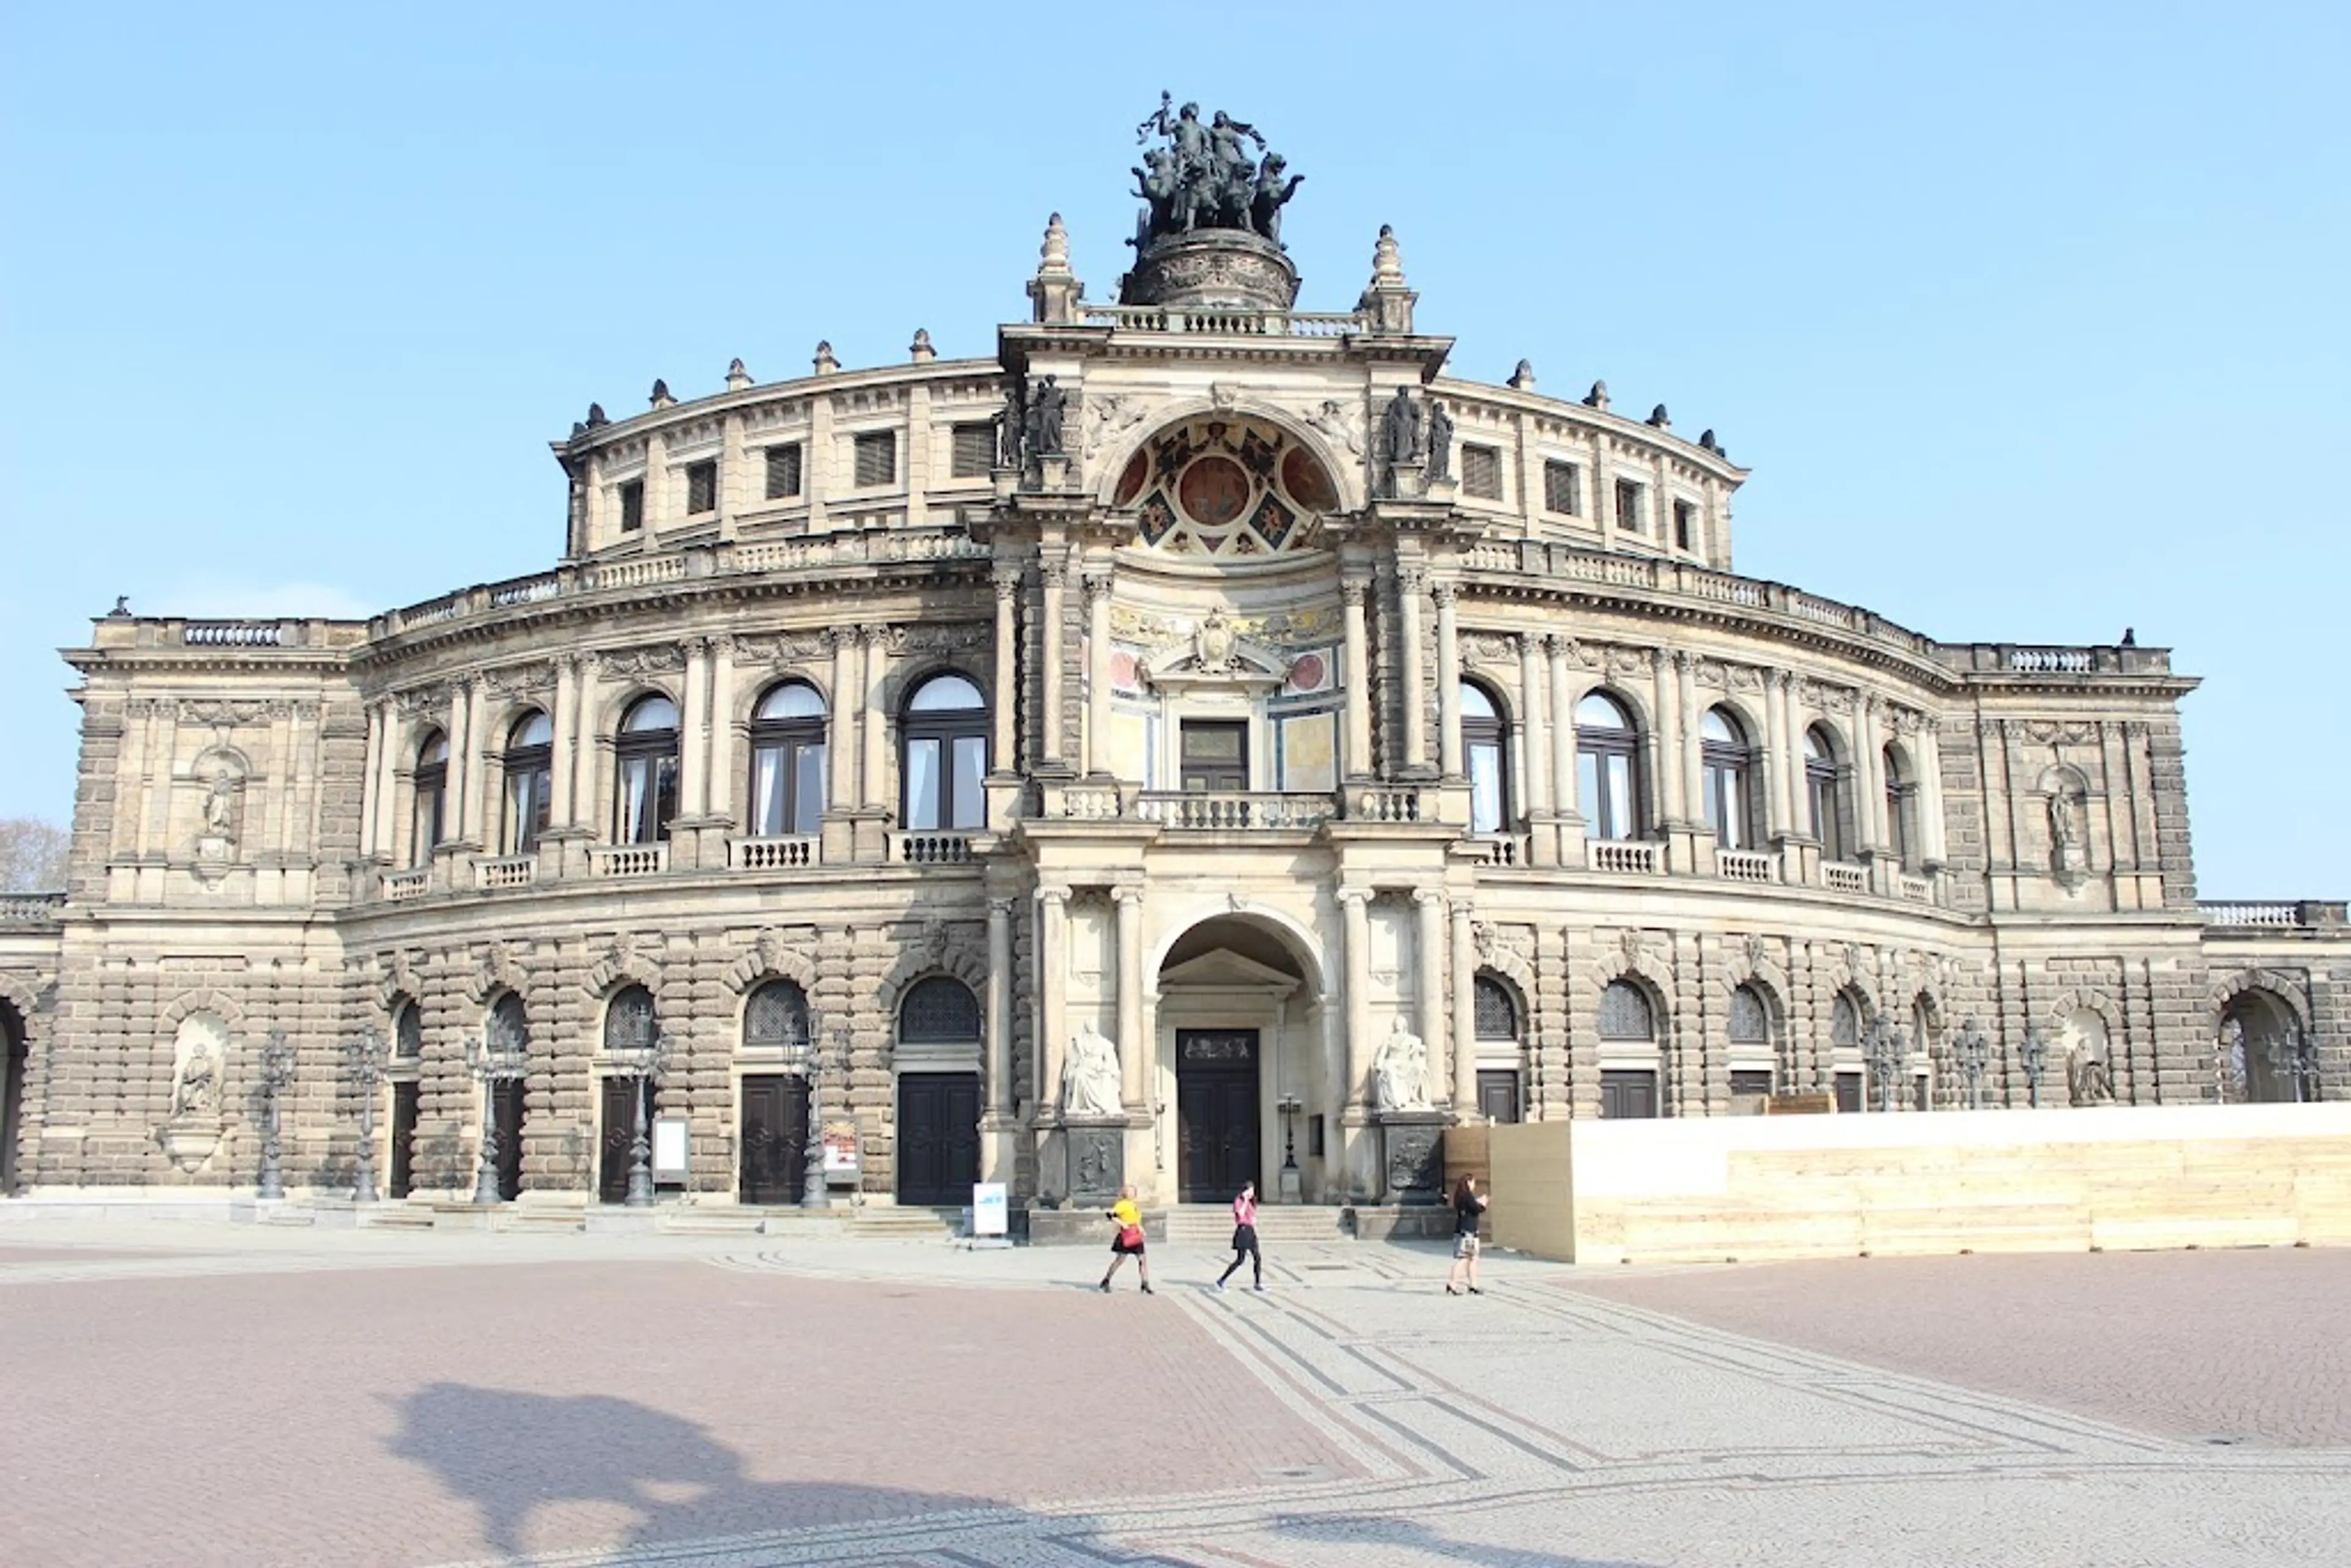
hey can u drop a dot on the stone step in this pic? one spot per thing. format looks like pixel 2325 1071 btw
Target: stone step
pixel 905 1220
pixel 538 1219
pixel 393 1216
pixel 1211 1223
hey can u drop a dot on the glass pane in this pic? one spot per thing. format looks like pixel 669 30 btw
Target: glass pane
pixel 791 700
pixel 1587 782
pixel 945 693
pixel 518 814
pixel 636 801
pixel 1485 789
pixel 652 714
pixel 1475 703
pixel 665 795
pixel 1619 796
pixel 535 730
pixel 808 803
pixel 970 768
pixel 922 784
pixel 766 791
pixel 428 824
pixel 1716 727
pixel 1600 710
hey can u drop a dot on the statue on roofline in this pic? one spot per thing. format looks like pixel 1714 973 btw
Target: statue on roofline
pixel 1204 177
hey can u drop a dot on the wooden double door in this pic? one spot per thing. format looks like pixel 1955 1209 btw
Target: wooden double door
pixel 621 1099
pixel 1215 1113
pixel 404 1136
pixel 938 1138
pixel 775 1138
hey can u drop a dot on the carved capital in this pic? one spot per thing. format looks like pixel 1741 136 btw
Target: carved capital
pixel 1357 895
pixel 1445 592
pixel 999 908
pixel 1126 893
pixel 1054 574
pixel 1053 897
pixel 1097 581
pixel 723 643
pixel 1006 577
pixel 1351 591
pixel 1426 896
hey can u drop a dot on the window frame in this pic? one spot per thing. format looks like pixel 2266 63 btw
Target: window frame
pixel 796 463
pixel 1622 748
pixel 862 442
pixel 1827 779
pixel 1728 768
pixel 796 742
pixel 1632 502
pixel 1478 455
pixel 659 752
pixel 953 731
pixel 967 440
pixel 1557 470
pixel 429 782
pixel 1490 733
pixel 632 505
pixel 527 769
pixel 702 486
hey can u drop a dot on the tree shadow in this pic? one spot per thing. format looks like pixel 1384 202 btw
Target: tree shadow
pixel 510 1453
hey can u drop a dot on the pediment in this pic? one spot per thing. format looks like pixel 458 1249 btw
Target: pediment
pixel 1217 657
pixel 1224 969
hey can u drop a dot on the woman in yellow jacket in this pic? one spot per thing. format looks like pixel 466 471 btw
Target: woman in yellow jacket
pixel 1127 1215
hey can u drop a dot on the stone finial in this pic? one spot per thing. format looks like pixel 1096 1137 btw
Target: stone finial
pixel 921 347
pixel 1523 378
pixel 578 428
pixel 2130 634
pixel 1598 397
pixel 1706 442
pixel 738 378
pixel 595 417
pixel 1387 304
pixel 1055 291
pixel 825 363
pixel 1657 418
pixel 661 398
pixel 122 610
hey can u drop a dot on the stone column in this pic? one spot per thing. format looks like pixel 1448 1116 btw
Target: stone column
pixel 692 761
pixel 1465 1013
pixel 1792 754
pixel 1411 584
pixel 1534 734
pixel 387 781
pixel 459 773
pixel 1357 763
pixel 1665 736
pixel 1355 905
pixel 1449 685
pixel 720 779
pixel 1052 960
pixel 372 780
pixel 477 722
pixel 1006 699
pixel 1132 1053
pixel 1930 794
pixel 1686 758
pixel 1097 664
pixel 999 1007
pixel 1772 763
pixel 1054 570
pixel 1428 943
pixel 873 719
pixel 1869 789
pixel 841 754
pixel 582 807
pixel 1562 726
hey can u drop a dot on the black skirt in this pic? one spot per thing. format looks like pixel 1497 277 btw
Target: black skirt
pixel 1244 1238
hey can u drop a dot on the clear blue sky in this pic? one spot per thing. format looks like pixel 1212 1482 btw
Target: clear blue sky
pixel 2031 321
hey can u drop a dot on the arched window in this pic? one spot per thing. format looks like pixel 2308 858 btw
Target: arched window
pixel 1825 793
pixel 1844 1023
pixel 408 1032
pixel 1624 1013
pixel 945 730
pixel 509 1026
pixel 939 1010
pixel 1494 1010
pixel 776 1018
pixel 1730 764
pixel 1626 1019
pixel 529 763
pixel 788 761
pixel 1752 1060
pixel 1486 755
pixel 431 794
pixel 631 1023
pixel 1606 744
pixel 1901 808
pixel 648 771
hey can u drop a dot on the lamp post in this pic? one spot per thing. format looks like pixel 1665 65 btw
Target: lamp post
pixel 1288 1106
pixel 2034 1054
pixel 2293 1062
pixel 1888 1050
pixel 276 1073
pixel 493 1065
pixel 367 1052
pixel 1971 1051
pixel 815 1191
pixel 651 1063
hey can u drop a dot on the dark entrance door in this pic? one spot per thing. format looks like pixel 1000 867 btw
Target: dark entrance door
pixel 938 1138
pixel 509 1092
pixel 775 1138
pixel 1215 1113
pixel 404 1136
pixel 1497 1094
pixel 12 1093
pixel 620 1132
pixel 1215 756
pixel 1628 1094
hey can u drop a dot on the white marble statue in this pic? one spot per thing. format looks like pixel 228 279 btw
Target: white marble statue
pixel 192 1092
pixel 1090 1076
pixel 1400 1071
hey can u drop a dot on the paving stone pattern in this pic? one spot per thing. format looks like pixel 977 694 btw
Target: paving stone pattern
pixel 313 1397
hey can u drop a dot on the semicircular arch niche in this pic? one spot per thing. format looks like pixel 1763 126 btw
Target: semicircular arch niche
pixel 1226 486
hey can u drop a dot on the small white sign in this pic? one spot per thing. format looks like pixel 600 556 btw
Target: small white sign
pixel 669 1149
pixel 989 1212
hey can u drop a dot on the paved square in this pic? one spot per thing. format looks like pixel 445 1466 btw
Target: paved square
pixel 212 1393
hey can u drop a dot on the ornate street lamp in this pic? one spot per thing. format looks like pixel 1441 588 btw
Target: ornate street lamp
pixel 277 1073
pixel 1972 1052
pixel 2034 1054
pixel 815 1191
pixel 493 1065
pixel 1288 1106
pixel 2292 1061
pixel 367 1054
pixel 651 1064
pixel 1888 1053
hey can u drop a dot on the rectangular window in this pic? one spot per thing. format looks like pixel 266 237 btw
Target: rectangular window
pixel 1750 1080
pixel 922 784
pixel 1628 506
pixel 700 487
pixel 975 451
pixel 1685 525
pixel 877 458
pixel 1481 472
pixel 970 770
pixel 1562 489
pixel 1485 785
pixel 1213 755
pixel 783 471
pixel 632 505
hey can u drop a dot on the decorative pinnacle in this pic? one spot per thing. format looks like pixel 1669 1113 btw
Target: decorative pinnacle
pixel 825 363
pixel 1658 417
pixel 1053 256
pixel 738 378
pixel 661 398
pixel 1387 262
pixel 920 349
pixel 1523 378
pixel 1598 397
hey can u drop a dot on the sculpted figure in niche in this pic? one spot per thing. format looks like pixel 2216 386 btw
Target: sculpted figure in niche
pixel 1048 405
pixel 2065 825
pixel 2088 1076
pixel 2230 1058
pixel 220 809
pixel 1400 431
pixel 1400 1072
pixel 1440 441
pixel 194 1091
pixel 1090 1076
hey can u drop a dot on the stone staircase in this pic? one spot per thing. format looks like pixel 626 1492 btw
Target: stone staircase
pixel 906 1222
pixel 1210 1225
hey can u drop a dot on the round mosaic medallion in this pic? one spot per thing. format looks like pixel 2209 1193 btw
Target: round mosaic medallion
pixel 1213 491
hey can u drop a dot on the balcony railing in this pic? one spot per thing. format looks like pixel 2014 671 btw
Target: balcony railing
pixel 930 848
pixel 628 859
pixel 1234 811
pixel 412 884
pixel 1391 803
pixel 789 853
pixel 30 908
pixel 1622 855
pixel 1223 321
pixel 505 871
pixel 2274 915
pixel 1498 850
pixel 1742 865
pixel 1914 889
pixel 1838 876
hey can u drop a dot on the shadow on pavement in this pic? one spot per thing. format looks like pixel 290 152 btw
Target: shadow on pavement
pixel 510 1454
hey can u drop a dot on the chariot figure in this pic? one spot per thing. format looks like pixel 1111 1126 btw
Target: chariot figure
pixel 1273 192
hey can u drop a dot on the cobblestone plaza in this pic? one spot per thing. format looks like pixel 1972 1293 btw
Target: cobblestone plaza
pixel 640 1399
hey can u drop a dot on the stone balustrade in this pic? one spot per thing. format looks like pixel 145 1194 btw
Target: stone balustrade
pixel 1744 866
pixel 505 871
pixel 1914 889
pixel 793 852
pixel 1838 876
pixel 2227 916
pixel 30 908
pixel 1228 322
pixel 1637 856
pixel 1235 810
pixel 1391 803
pixel 628 859
pixel 399 885
pixel 923 848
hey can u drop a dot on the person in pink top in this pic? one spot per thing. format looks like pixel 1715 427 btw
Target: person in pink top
pixel 1245 1240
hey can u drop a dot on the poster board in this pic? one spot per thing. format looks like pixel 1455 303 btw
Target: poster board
pixel 671 1149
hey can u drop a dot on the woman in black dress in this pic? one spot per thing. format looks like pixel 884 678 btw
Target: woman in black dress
pixel 1468 1207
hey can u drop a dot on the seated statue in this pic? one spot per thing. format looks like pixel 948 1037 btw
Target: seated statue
pixel 1400 1071
pixel 2090 1078
pixel 1090 1085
